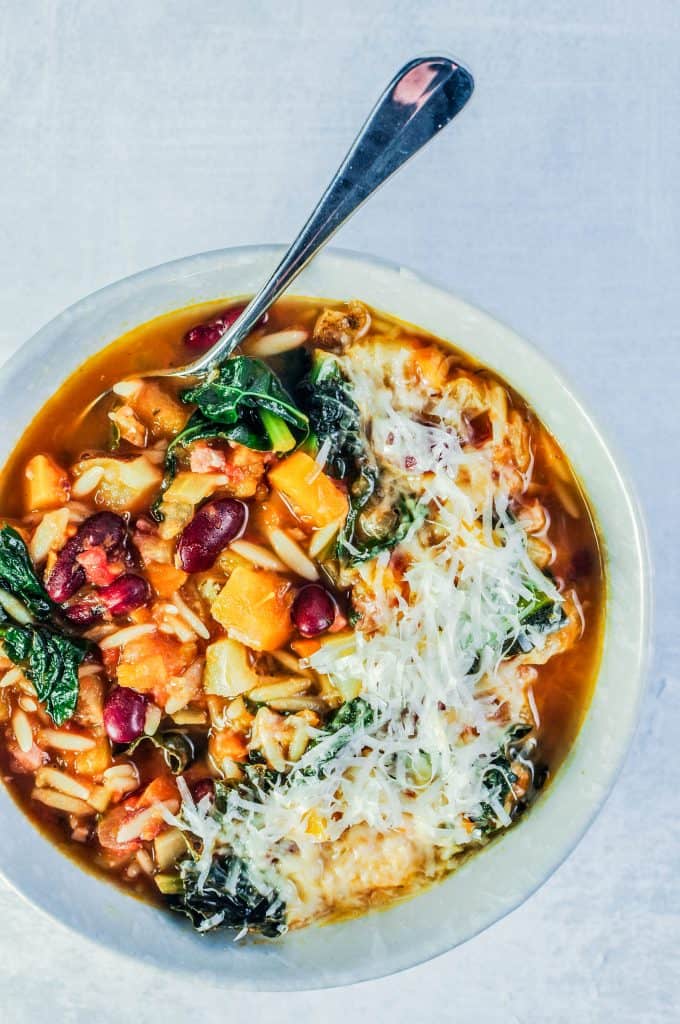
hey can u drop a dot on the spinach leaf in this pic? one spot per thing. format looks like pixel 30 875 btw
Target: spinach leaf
pixel 18 575
pixel 176 747
pixel 229 893
pixel 50 659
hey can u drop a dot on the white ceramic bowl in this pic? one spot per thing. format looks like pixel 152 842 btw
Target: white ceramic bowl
pixel 489 885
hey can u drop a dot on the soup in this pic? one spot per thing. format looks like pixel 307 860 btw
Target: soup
pixel 289 643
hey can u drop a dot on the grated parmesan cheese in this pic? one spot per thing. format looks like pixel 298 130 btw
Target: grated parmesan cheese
pixel 432 666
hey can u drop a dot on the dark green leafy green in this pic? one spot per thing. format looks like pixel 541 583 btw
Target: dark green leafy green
pixel 538 613
pixel 48 655
pixel 19 577
pixel 51 660
pixel 499 778
pixel 245 403
pixel 227 899
pixel 242 388
pixel 377 520
pixel 176 747
pixel 350 719
pixel 380 526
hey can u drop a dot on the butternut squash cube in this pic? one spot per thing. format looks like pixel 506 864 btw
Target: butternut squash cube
pixel 313 495
pixel 165 579
pixel 254 607
pixel 47 484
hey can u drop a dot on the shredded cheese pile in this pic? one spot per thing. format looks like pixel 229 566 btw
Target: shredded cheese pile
pixel 430 667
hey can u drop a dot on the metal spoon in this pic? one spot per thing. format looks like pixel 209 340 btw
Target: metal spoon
pixel 420 100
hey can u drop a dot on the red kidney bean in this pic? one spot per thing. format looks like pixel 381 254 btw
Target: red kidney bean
pixel 213 527
pixel 124 714
pixel 121 597
pixel 82 613
pixel 125 594
pixel 203 788
pixel 103 529
pixel 204 336
pixel 313 610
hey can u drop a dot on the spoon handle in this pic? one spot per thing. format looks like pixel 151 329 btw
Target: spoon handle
pixel 420 100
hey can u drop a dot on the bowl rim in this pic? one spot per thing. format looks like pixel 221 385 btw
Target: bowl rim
pixel 184 268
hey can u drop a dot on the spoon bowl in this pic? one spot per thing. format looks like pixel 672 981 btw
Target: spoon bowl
pixel 422 98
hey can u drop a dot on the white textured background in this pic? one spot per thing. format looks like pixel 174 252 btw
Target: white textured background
pixel 133 133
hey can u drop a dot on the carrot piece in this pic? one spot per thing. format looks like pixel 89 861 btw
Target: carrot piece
pixel 313 495
pixel 165 579
pixel 159 790
pixel 46 483
pixel 254 607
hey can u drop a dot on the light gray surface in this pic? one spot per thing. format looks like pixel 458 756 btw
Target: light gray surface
pixel 134 133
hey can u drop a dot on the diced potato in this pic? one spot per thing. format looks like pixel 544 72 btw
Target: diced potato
pixel 227 670
pixel 312 494
pixel 162 413
pixel 165 579
pixel 254 607
pixel 46 483
pixel 229 560
pixel 126 484
pixel 185 492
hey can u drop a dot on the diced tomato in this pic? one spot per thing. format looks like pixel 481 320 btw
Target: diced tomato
pixel 98 571
pixel 163 790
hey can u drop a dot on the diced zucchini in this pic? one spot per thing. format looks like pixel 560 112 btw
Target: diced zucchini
pixel 169 883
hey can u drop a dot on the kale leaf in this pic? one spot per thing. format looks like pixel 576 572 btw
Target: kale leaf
pixel 236 397
pixel 334 417
pixel 48 655
pixel 245 403
pixel 228 892
pixel 51 660
pixel 176 747
pixel 538 613
pixel 347 721
pixel 18 575
pixel 377 520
